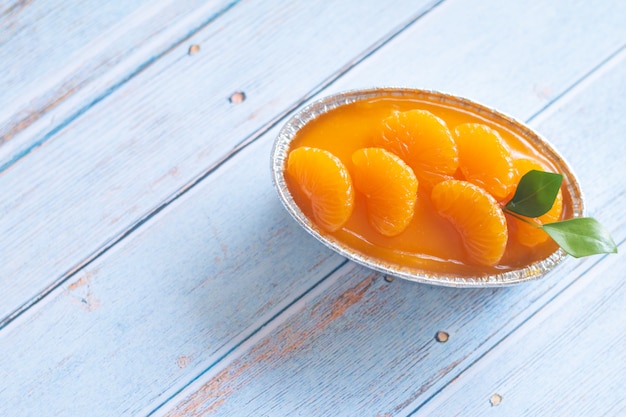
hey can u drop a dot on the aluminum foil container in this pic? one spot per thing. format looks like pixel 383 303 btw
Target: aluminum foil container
pixel 280 152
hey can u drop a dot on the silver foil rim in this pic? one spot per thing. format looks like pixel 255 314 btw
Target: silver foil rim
pixel 280 152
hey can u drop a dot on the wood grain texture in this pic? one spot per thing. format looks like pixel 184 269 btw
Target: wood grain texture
pixel 489 51
pixel 363 347
pixel 168 145
pixel 567 360
pixel 194 297
pixel 586 127
pixel 135 150
pixel 49 76
pixel 333 379
pixel 158 309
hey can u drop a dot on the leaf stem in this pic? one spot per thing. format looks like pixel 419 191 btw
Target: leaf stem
pixel 521 218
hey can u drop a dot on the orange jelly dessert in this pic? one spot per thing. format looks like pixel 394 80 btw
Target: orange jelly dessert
pixel 420 184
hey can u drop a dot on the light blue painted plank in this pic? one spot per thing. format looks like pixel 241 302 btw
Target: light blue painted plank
pixel 589 131
pixel 243 301
pixel 57 58
pixel 105 339
pixel 539 48
pixel 167 144
pixel 380 357
pixel 363 347
pixel 159 308
pixel 135 150
pixel 568 360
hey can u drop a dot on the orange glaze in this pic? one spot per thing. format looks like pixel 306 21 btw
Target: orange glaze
pixel 430 242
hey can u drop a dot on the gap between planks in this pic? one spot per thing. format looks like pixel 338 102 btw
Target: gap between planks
pixel 115 84
pixel 237 351
pixel 546 303
pixel 243 145
pixel 603 66
pixel 283 315
pixel 257 334
pixel 110 243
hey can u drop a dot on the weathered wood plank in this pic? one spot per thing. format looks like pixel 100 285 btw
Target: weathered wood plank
pixel 141 319
pixel 587 128
pixel 362 347
pixel 569 359
pixel 131 145
pixel 538 48
pixel 161 307
pixel 398 364
pixel 135 150
pixel 48 75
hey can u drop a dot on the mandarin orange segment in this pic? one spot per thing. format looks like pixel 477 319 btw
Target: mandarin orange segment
pixel 389 186
pixel 530 234
pixel 476 216
pixel 484 159
pixel 325 180
pixel 423 141
pixel 523 166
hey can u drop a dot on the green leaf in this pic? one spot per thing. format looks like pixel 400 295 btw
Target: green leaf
pixel 535 193
pixel 581 236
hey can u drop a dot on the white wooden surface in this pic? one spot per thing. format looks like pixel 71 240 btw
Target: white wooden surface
pixel 147 266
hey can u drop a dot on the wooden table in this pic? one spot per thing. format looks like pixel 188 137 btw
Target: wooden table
pixel 147 266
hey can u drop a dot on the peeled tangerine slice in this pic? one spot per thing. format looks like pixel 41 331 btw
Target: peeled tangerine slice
pixel 484 159
pixel 477 217
pixel 390 188
pixel 527 234
pixel 424 142
pixel 325 180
